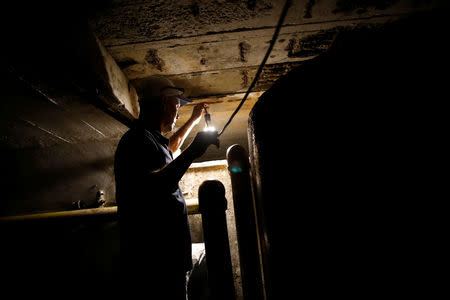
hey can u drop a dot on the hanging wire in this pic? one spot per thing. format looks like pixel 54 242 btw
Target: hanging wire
pixel 261 66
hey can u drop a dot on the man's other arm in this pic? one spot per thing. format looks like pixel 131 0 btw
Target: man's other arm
pixel 169 176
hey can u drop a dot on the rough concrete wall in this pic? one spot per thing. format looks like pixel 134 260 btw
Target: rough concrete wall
pixel 216 39
pixel 146 21
pixel 54 150
pixel 189 184
pixel 213 48
pixel 51 179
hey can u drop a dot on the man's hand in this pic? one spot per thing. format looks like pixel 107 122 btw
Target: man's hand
pixel 202 141
pixel 197 112
pixel 177 139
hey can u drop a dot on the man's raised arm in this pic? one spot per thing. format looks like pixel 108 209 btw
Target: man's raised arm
pixel 177 139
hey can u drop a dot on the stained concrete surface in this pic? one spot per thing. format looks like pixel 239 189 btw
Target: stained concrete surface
pixel 213 48
pixel 57 145
pixel 189 184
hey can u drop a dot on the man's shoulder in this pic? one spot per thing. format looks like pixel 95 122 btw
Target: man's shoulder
pixel 135 148
pixel 137 133
pixel 128 137
pixel 139 137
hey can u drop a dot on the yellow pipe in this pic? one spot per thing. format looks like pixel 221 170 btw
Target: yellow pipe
pixel 192 207
pixel 63 214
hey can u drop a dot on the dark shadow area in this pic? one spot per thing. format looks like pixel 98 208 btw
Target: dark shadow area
pixel 56 257
pixel 346 171
pixel 74 256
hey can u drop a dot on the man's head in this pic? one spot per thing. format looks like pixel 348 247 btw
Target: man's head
pixel 159 101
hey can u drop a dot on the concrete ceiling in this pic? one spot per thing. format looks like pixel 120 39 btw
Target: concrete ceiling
pixel 211 48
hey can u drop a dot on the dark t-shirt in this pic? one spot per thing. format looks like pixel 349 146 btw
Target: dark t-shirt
pixel 152 210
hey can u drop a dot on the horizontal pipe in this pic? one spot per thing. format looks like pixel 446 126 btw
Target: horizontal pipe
pixel 63 214
pixel 192 207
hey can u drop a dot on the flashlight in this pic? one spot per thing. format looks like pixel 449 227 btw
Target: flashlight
pixel 207 117
pixel 208 122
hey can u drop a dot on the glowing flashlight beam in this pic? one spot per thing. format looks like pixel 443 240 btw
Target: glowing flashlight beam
pixel 209 128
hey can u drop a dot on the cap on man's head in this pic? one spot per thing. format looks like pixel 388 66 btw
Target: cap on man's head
pixel 156 85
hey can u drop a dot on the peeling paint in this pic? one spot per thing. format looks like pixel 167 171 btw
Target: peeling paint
pixel 147 21
pixel 313 44
pixel 244 48
pixel 244 76
pixel 308 8
pixel 153 59
pixel 361 6
pixel 271 73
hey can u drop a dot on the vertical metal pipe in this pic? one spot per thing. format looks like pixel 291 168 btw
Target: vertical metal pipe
pixel 261 156
pixel 247 233
pixel 212 206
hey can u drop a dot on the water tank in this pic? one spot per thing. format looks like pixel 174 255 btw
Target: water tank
pixel 337 148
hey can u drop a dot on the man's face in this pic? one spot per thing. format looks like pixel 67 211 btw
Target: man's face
pixel 171 105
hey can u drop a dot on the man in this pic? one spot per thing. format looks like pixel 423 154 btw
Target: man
pixel 155 232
